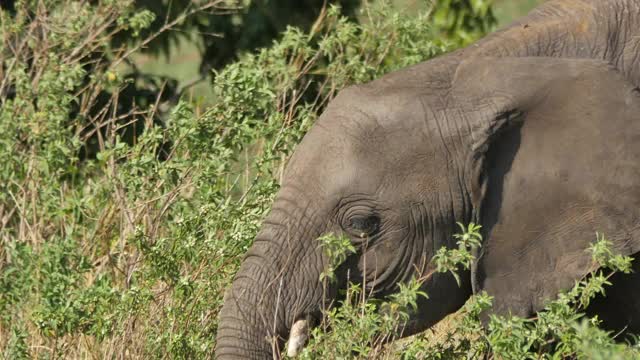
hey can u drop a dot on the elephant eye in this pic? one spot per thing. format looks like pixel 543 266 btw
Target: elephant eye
pixel 363 226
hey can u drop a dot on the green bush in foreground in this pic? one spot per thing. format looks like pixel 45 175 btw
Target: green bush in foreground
pixel 361 328
pixel 127 254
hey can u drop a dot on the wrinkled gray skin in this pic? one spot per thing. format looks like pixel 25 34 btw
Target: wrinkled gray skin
pixel 534 132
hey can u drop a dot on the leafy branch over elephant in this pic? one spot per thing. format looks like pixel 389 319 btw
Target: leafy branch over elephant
pixel 531 132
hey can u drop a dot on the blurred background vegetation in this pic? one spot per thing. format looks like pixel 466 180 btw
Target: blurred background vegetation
pixel 201 44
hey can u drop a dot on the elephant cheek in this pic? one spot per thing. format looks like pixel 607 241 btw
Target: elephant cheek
pixel 378 263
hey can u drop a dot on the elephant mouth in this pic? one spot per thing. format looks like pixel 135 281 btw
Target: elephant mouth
pixel 374 285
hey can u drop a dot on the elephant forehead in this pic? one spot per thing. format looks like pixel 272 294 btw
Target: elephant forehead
pixel 369 144
pixel 383 170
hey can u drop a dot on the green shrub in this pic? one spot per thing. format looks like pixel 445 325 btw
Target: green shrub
pixel 361 328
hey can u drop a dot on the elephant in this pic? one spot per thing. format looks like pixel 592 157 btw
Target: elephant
pixel 532 132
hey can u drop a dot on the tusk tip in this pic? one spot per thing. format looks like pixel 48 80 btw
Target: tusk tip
pixel 298 337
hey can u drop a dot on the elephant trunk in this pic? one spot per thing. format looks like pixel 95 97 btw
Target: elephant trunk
pixel 249 321
pixel 277 285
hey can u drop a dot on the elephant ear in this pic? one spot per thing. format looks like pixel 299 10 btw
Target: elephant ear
pixel 555 158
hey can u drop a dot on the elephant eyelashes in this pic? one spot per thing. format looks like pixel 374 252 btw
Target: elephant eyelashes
pixel 364 226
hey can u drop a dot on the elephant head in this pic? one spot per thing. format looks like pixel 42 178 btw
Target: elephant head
pixel 543 152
